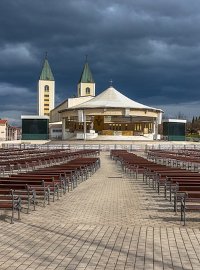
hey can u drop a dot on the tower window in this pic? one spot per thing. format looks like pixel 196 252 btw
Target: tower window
pixel 87 90
pixel 46 88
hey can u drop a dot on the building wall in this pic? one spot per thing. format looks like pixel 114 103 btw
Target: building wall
pixel 55 130
pixel 76 101
pixel 82 89
pixel 55 116
pixel 110 111
pixel 3 132
pixel 46 97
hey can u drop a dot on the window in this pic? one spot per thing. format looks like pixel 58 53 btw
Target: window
pixel 46 88
pixel 46 105
pixel 87 90
pixel 46 99
pixel 46 95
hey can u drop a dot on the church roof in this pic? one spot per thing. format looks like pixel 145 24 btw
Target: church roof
pixel 86 76
pixel 46 74
pixel 111 98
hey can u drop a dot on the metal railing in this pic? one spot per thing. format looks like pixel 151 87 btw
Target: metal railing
pixel 104 147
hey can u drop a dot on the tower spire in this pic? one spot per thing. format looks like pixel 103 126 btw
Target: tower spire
pixel 86 75
pixel 46 73
pixel 86 84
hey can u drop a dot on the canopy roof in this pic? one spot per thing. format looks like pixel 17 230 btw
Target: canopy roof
pixel 111 98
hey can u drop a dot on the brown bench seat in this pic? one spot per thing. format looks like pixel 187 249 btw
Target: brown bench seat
pixel 41 190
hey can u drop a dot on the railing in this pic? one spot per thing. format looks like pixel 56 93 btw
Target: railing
pixel 105 147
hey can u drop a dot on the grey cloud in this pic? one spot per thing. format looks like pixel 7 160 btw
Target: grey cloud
pixel 149 48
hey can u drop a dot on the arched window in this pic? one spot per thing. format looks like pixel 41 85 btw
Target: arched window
pixel 46 88
pixel 87 91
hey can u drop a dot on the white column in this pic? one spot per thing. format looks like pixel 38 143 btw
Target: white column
pixel 63 128
pixel 155 124
pixel 84 127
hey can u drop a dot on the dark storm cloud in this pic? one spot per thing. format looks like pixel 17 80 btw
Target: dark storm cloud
pixel 151 50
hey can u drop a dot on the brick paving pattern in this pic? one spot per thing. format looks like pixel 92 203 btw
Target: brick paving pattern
pixel 111 221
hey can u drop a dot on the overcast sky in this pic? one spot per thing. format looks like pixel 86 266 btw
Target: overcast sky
pixel 149 48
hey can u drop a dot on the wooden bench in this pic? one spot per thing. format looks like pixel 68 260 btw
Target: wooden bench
pixel 10 202
pixel 41 190
pixel 190 202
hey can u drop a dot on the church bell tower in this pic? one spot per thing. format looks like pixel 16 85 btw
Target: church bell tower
pixel 86 85
pixel 46 90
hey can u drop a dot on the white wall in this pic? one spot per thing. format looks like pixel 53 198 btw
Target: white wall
pixel 3 131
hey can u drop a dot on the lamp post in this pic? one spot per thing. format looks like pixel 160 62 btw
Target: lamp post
pixel 84 126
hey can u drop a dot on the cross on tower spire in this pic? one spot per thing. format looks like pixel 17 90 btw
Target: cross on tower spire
pixel 111 82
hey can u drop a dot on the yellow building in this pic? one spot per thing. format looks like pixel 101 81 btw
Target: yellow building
pixel 46 90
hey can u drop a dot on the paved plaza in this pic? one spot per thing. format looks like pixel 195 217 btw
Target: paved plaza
pixel 111 221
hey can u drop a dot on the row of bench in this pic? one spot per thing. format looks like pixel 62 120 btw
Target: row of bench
pixel 183 159
pixel 49 158
pixel 26 190
pixel 178 184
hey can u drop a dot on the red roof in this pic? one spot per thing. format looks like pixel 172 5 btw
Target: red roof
pixel 3 122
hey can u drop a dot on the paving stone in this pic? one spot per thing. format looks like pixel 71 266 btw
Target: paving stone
pixel 111 221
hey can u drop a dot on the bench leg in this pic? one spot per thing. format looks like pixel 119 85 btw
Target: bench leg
pixel 19 218
pixel 12 217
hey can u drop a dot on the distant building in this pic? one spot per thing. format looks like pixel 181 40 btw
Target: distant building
pixel 8 132
pixel 46 90
pixel 14 133
pixel 3 129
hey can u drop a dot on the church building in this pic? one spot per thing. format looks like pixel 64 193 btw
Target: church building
pixel 110 114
